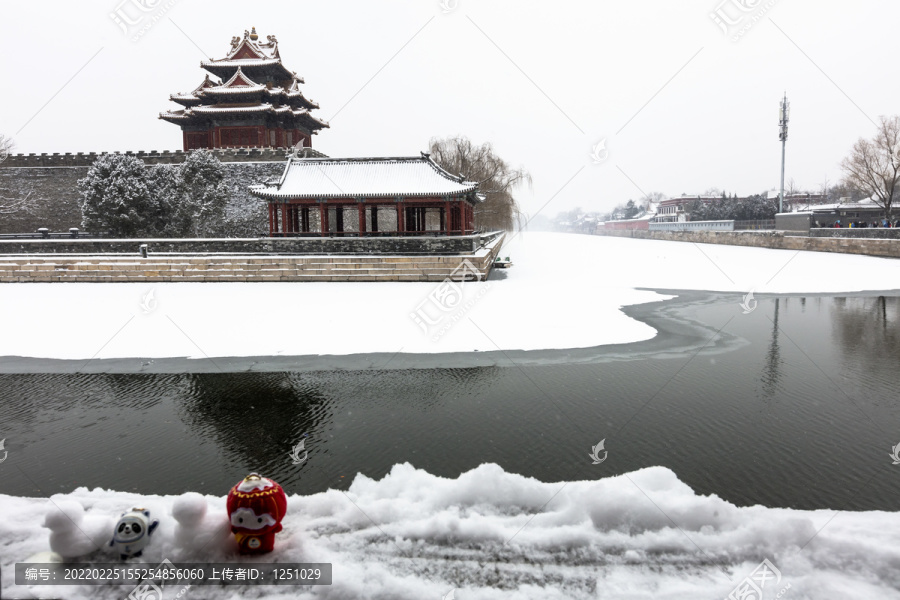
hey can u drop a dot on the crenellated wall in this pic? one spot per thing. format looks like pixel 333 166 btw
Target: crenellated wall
pixel 51 180
pixel 152 157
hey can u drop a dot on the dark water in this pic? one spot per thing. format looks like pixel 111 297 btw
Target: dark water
pixel 799 409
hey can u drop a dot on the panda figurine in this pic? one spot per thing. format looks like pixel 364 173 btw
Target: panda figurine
pixel 133 532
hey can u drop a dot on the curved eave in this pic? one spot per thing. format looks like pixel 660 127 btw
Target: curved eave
pixel 242 110
pixel 174 117
pixel 314 122
pixel 299 98
pixel 185 100
pixel 234 92
pixel 226 69
pixel 241 62
pixel 293 98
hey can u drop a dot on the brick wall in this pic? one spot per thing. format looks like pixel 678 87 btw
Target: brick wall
pixel 773 239
pixel 52 179
pixel 438 245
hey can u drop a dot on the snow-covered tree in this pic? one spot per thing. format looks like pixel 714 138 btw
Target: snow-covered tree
pixel 163 183
pixel 115 198
pixel 198 208
pixel 121 197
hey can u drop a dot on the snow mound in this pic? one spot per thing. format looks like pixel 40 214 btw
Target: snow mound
pixel 489 534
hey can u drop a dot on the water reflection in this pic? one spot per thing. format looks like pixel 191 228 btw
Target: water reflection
pixel 868 331
pixel 772 368
pixel 255 418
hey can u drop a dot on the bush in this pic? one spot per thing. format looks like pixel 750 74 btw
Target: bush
pixel 122 197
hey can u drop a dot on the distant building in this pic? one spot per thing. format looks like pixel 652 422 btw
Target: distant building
pixel 846 209
pixel 799 198
pixel 255 103
pixel 368 197
pixel 674 210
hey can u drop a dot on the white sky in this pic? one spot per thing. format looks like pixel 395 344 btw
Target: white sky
pixel 682 107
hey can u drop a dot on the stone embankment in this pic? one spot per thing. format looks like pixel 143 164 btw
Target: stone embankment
pixel 113 268
pixel 772 239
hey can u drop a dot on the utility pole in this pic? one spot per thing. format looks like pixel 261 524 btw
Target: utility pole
pixel 783 117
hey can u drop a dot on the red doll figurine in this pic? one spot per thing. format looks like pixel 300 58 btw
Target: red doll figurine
pixel 256 506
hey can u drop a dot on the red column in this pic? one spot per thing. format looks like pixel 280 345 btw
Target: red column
pixel 323 217
pixel 271 230
pixel 284 218
pixel 400 213
pixel 446 217
pixel 362 218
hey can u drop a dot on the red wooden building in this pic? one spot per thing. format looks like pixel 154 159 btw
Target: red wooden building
pixel 253 101
pixel 368 196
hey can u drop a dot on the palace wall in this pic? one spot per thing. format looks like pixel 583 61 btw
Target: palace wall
pixel 291 246
pixel 51 179
pixel 775 239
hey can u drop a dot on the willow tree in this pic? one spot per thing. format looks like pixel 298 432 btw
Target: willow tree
pixel 874 165
pixel 497 180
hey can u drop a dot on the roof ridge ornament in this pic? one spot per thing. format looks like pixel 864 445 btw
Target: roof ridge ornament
pixel 253 35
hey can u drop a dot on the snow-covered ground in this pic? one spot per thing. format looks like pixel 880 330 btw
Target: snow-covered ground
pixel 565 291
pixel 488 534
pixel 494 535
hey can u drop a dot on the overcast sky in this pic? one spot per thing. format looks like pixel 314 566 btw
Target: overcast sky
pixel 682 104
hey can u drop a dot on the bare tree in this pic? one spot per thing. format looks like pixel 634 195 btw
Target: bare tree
pixel 496 179
pixel 10 205
pixel 6 146
pixel 843 189
pixel 12 201
pixel 651 199
pixel 874 164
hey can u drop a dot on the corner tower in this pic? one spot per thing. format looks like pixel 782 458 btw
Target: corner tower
pixel 251 101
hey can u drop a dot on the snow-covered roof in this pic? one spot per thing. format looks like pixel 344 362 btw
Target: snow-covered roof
pixel 843 204
pixel 231 109
pixel 312 178
pixel 238 82
pixel 253 81
pixel 250 50
pixel 250 53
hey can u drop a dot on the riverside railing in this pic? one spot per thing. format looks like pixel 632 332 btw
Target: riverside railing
pixel 755 225
pixel 693 226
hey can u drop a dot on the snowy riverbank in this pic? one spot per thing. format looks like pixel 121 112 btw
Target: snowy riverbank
pixel 416 536
pixel 565 291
